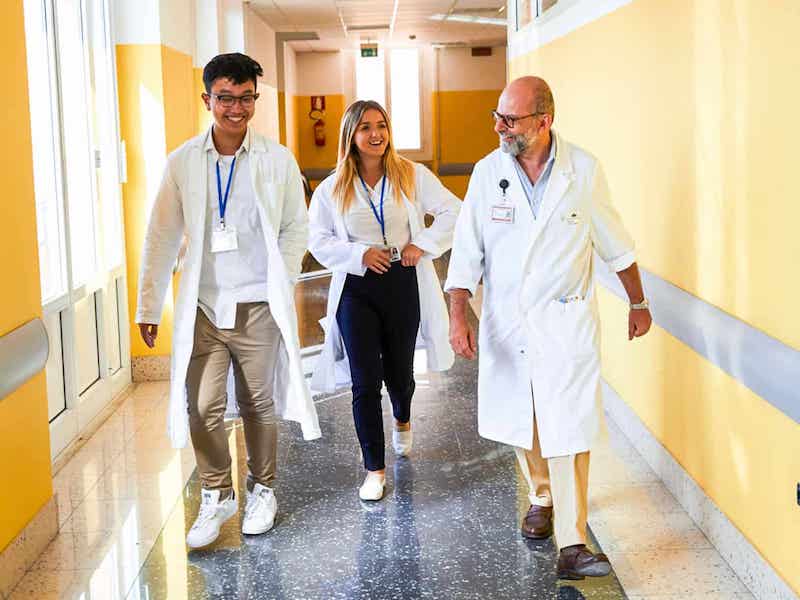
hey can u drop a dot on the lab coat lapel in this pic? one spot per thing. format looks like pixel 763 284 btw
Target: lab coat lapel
pixel 560 178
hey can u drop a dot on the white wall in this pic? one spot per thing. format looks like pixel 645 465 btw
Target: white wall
pixel 232 25
pixel 260 45
pixel 178 25
pixel 207 31
pixel 460 71
pixel 320 73
pixel 137 22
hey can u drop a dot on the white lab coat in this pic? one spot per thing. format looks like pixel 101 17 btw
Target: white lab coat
pixel 329 243
pixel 534 349
pixel 180 209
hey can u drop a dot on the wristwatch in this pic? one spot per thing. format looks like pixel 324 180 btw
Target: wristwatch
pixel 644 304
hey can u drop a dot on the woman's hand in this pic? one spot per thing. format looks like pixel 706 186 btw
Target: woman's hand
pixel 411 255
pixel 377 260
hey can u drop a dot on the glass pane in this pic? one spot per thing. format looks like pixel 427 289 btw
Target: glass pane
pixel 86 342
pixel 105 126
pixel 371 79
pixel 76 140
pixel 46 176
pixel 525 10
pixel 404 68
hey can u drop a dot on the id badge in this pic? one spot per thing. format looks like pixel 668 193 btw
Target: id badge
pixel 502 214
pixel 395 254
pixel 224 240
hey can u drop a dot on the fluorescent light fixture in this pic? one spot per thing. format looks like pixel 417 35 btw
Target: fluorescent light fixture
pixel 478 20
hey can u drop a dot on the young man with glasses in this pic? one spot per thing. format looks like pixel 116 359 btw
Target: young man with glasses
pixel 237 199
pixel 536 210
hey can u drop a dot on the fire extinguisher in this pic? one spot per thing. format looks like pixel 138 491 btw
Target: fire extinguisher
pixel 319 132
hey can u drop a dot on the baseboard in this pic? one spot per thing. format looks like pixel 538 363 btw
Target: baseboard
pixel 743 558
pixel 23 551
pixel 150 368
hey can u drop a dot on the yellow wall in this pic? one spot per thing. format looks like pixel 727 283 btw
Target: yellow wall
pixel 24 432
pixel 310 155
pixel 696 125
pixel 141 71
pixel 463 130
pixel 282 117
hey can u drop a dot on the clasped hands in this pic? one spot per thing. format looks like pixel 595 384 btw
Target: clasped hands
pixel 379 260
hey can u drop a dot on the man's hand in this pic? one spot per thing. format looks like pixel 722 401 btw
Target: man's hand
pixel 377 260
pixel 639 321
pixel 462 336
pixel 149 332
pixel 410 255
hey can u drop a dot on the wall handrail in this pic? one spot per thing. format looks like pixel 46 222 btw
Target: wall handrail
pixel 23 354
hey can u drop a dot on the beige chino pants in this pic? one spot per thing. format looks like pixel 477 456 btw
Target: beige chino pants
pixel 561 482
pixel 252 347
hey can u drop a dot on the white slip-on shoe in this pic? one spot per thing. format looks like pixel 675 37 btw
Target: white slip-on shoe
pixel 259 512
pixel 401 442
pixel 213 513
pixel 373 486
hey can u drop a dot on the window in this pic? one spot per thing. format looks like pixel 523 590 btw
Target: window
pixel 371 79
pixel 403 93
pixel 528 10
pixel 405 99
pixel 46 158
pixel 75 143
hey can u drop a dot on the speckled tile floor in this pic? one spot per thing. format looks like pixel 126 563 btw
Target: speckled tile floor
pixel 448 527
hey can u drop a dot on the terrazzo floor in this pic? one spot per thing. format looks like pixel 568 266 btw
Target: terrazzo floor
pixel 447 528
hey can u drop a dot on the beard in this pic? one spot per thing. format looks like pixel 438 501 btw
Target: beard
pixel 515 146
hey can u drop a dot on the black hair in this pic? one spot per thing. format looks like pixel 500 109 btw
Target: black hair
pixel 237 67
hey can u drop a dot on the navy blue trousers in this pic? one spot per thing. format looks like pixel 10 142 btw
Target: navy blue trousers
pixel 378 317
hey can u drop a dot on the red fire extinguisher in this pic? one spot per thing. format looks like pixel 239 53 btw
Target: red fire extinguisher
pixel 319 132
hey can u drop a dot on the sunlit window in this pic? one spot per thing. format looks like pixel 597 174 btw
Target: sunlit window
pixel 404 80
pixel 371 78
pixel 404 67
pixel 78 160
pixel 46 158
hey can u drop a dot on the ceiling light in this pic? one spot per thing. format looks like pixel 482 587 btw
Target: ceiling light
pixel 462 18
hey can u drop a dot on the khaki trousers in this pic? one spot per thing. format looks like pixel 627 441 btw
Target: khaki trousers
pixel 561 482
pixel 252 348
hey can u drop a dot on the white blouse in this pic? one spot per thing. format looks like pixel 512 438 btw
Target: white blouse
pixel 362 224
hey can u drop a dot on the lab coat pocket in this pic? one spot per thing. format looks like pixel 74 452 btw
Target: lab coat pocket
pixel 573 327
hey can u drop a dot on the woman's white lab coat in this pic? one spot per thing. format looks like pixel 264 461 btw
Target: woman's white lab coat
pixel 329 243
pixel 539 329
pixel 180 208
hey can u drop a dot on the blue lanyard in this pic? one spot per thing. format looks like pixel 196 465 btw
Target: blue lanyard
pixel 223 201
pixel 381 220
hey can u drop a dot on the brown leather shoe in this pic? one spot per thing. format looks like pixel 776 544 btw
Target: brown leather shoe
pixel 577 562
pixel 538 523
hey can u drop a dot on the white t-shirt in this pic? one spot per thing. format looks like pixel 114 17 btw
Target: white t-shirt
pixel 363 226
pixel 237 276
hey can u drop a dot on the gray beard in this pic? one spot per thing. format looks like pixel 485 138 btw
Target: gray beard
pixel 516 146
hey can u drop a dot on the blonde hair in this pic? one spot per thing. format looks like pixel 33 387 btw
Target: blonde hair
pixel 398 170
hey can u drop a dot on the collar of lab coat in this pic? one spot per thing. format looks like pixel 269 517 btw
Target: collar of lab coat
pixel 252 141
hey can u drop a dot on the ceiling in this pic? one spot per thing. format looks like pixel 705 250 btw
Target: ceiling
pixel 346 23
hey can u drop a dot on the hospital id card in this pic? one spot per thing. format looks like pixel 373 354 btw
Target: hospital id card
pixel 394 254
pixel 223 239
pixel 502 214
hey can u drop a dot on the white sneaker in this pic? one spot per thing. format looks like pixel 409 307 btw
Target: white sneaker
pixel 401 442
pixel 373 486
pixel 259 512
pixel 212 515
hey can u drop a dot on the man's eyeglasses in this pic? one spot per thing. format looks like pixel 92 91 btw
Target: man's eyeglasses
pixel 511 120
pixel 227 101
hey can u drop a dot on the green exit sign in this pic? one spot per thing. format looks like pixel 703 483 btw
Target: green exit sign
pixel 369 50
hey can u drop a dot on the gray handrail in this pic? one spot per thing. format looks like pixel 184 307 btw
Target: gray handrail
pixel 23 353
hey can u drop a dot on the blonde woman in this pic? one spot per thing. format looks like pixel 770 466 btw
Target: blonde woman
pixel 367 225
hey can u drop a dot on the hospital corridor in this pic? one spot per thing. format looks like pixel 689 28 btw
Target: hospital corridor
pixel 399 299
